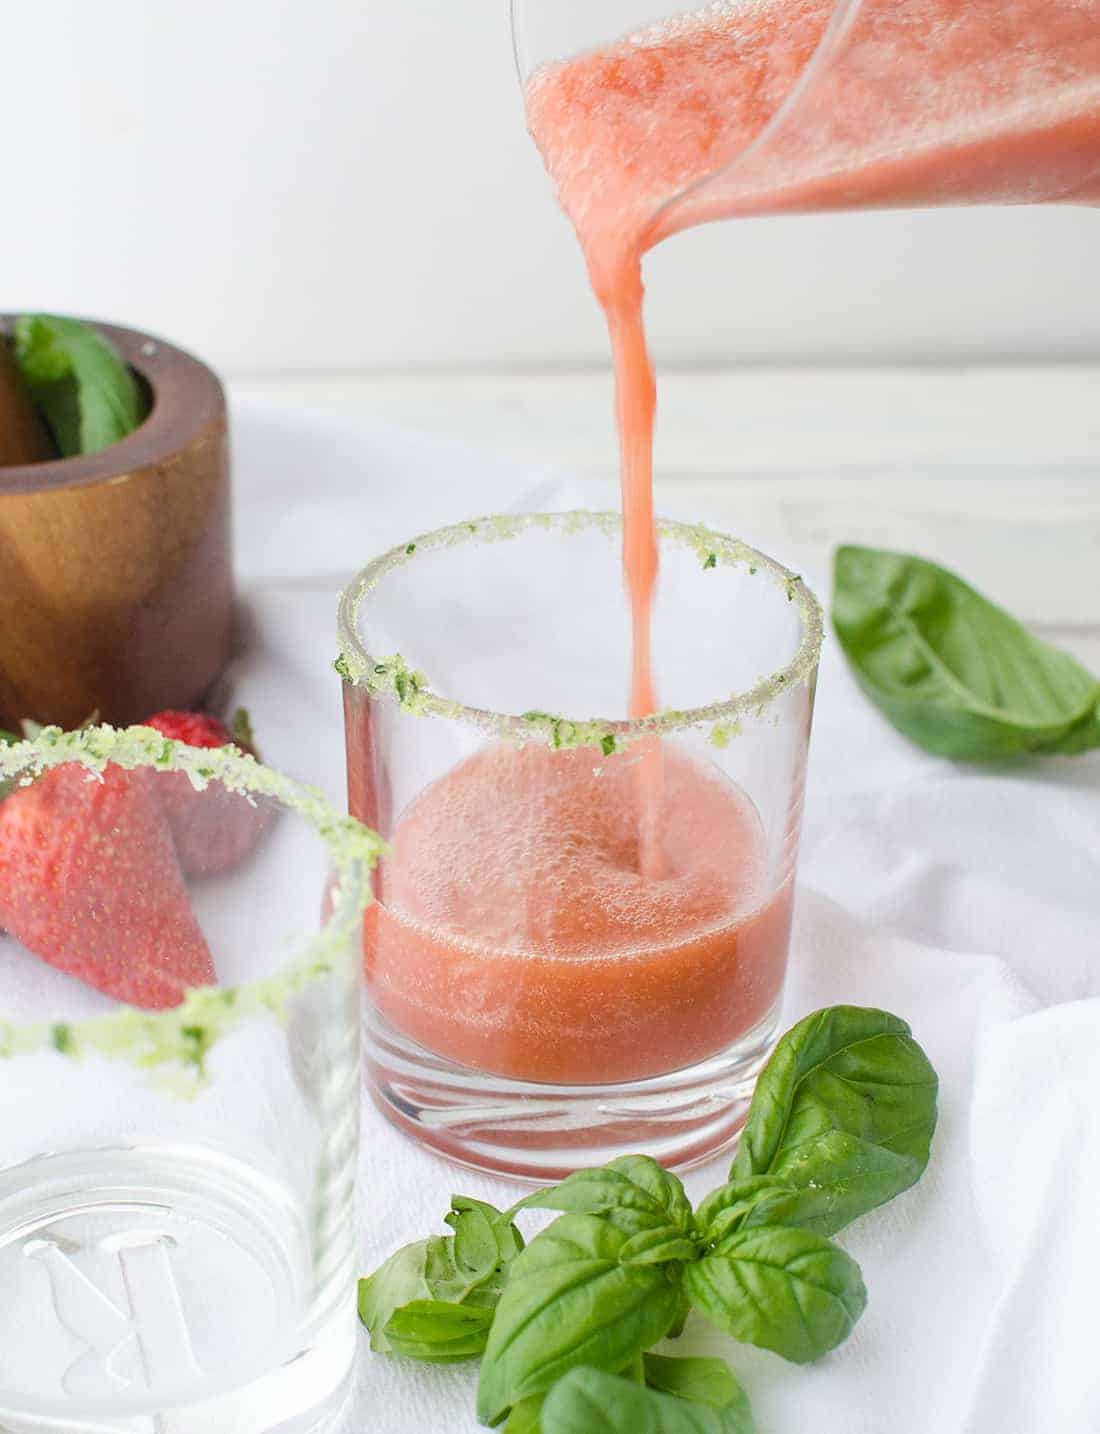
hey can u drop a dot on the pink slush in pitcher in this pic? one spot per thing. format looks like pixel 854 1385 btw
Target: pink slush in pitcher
pixel 651 122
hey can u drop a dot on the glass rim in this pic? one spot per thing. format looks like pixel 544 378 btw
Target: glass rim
pixel 391 677
pixel 152 1038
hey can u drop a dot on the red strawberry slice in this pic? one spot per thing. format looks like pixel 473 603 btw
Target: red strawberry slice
pixel 214 830
pixel 90 882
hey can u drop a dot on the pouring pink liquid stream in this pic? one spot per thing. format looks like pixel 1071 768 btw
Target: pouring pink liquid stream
pixel 946 102
pixel 616 928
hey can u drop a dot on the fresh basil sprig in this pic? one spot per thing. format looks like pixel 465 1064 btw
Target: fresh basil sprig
pixel 80 385
pixel 434 1300
pixel 952 671
pixel 842 1120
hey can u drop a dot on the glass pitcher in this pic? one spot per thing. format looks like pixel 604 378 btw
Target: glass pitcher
pixel 772 106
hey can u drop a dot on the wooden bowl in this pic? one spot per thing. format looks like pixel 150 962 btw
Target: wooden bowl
pixel 116 584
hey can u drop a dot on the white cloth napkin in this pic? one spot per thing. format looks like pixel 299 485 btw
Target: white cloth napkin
pixel 966 901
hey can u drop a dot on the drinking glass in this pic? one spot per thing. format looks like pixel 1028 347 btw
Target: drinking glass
pixel 179 1067
pixel 580 938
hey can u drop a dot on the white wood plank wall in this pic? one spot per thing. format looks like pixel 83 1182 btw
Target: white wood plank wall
pixel 994 470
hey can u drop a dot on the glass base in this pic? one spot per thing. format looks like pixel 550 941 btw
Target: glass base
pixel 163 1290
pixel 540 1132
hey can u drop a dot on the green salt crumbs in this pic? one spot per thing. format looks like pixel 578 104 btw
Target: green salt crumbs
pixel 392 676
pixel 564 735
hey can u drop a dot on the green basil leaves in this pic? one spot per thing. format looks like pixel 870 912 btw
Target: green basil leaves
pixel 952 671
pixel 588 1401
pixel 841 1120
pixel 86 394
pixel 790 1291
pixel 704 1381
pixel 438 1332
pixel 634 1192
pixel 570 1301
pixel 842 1115
pixel 405 1303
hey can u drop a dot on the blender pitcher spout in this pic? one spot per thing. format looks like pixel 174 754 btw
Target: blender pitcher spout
pixel 788 106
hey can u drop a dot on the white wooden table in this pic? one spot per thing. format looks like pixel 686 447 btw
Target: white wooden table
pixel 994 471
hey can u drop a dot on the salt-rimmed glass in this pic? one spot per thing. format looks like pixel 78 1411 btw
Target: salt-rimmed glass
pixel 179 1068
pixel 538 999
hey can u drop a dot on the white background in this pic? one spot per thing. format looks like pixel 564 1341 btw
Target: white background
pixel 345 185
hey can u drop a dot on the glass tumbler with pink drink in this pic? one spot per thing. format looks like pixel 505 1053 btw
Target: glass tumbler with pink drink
pixel 583 918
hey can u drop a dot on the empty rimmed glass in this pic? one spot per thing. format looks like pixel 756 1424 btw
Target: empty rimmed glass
pixel 179 1062
pixel 581 932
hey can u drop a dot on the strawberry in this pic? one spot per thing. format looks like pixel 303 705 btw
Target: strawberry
pixel 90 882
pixel 214 830
pixel 198 729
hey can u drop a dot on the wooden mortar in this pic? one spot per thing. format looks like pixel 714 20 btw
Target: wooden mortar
pixel 116 585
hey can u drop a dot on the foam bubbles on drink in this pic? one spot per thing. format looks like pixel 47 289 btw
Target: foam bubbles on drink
pixel 518 933
pixel 539 851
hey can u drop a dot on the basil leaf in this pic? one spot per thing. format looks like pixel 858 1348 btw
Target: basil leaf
pixel 657 1247
pixel 398 1282
pixel 635 1370
pixel 676 1328
pixel 834 1182
pixel 790 1291
pixel 952 671
pixel 844 1113
pixel 705 1381
pixel 634 1192
pixel 87 395
pixel 483 1237
pixel 588 1401
pixel 729 1207
pixel 446 1281
pixel 524 1418
pixel 438 1332
pixel 467 1269
pixel 569 1301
